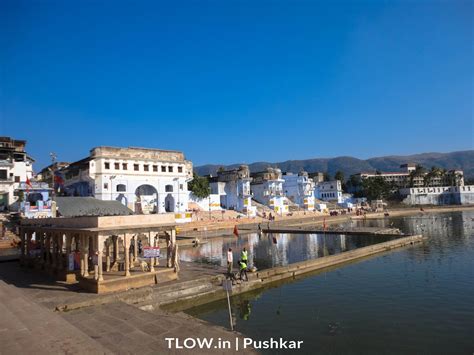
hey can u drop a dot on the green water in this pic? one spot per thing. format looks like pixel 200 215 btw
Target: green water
pixel 416 300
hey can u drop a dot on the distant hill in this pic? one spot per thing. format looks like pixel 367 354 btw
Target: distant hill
pixel 349 165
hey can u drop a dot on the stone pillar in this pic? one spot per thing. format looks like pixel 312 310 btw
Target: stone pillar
pixel 126 246
pixel 48 249
pixel 135 248
pixel 157 243
pixel 152 260
pixel 169 249
pixel 60 251
pixel 85 255
pixel 107 254
pixel 54 250
pixel 100 249
pixel 116 248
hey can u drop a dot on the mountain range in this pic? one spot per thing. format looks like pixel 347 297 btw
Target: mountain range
pixel 463 160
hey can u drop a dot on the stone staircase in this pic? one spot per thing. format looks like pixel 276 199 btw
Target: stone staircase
pixel 185 290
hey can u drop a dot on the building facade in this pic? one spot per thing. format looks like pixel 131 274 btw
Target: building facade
pixel 16 166
pixel 329 191
pixel 267 189
pixel 145 180
pixel 233 187
pixel 299 189
pixel 441 195
pixel 409 176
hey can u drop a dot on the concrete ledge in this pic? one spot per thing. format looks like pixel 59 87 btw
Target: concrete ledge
pixel 128 282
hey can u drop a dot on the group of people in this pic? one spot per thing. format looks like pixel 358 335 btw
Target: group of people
pixel 243 263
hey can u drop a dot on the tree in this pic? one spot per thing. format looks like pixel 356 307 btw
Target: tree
pixel 199 186
pixel 377 188
pixel 339 176
pixel 326 176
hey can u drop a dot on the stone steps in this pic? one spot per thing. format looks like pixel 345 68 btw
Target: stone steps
pixel 28 327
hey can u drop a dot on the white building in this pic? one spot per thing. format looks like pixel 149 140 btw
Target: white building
pixel 267 189
pixel 233 187
pixel 146 180
pixel 299 189
pixel 16 166
pixel 329 191
pixel 442 195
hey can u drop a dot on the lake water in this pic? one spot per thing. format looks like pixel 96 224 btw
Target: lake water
pixel 271 250
pixel 416 300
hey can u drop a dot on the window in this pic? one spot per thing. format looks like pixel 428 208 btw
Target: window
pixel 3 174
pixel 181 187
pixel 163 169
pixel 107 165
pixel 124 166
pixel 170 169
pixel 106 186
pixel 146 167
pixel 121 188
pixel 17 179
pixel 155 168
pixel 169 188
pixel 136 167
pixel 180 169
pixel 117 166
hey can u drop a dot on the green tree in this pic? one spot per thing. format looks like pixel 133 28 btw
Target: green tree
pixel 377 188
pixel 199 186
pixel 339 176
pixel 326 176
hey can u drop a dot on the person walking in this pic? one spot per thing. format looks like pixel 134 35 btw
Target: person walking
pixel 230 260
pixel 243 270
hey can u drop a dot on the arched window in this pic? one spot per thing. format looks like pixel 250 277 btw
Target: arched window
pixel 169 188
pixel 121 188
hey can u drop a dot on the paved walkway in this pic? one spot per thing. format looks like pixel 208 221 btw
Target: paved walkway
pixel 27 327
pixel 28 322
pixel 123 329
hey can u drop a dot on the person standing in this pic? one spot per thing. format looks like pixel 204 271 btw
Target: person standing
pixel 244 256
pixel 230 260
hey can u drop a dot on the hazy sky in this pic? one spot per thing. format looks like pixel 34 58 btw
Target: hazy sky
pixel 238 81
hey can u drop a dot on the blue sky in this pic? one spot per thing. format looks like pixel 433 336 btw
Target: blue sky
pixel 238 81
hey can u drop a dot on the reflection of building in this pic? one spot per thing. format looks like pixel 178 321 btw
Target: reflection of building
pixel 267 188
pixel 233 187
pixel 16 166
pixel 299 189
pixel 329 191
pixel 145 180
pixel 443 195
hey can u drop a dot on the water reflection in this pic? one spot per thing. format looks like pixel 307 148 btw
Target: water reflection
pixel 277 249
pixel 415 300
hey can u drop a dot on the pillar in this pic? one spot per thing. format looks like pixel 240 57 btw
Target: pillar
pixel 60 251
pixel 116 248
pixel 135 248
pixel 152 260
pixel 100 249
pixel 157 243
pixel 107 254
pixel 48 249
pixel 85 256
pixel 126 246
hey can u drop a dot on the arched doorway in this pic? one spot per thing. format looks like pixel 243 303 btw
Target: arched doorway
pixel 147 199
pixel 169 203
